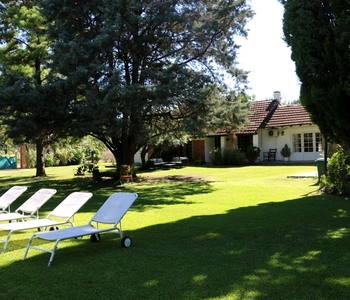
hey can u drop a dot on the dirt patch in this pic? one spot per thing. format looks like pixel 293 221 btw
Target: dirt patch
pixel 187 178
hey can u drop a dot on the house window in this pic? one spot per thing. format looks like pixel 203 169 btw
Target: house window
pixel 319 142
pixel 308 142
pixel 244 141
pixel 296 142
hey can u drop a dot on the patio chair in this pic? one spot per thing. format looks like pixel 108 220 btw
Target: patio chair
pixel 270 156
pixel 9 197
pixel 61 215
pixel 30 208
pixel 106 219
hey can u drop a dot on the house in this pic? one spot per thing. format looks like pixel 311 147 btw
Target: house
pixel 271 126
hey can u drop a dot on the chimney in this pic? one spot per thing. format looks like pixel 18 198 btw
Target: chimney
pixel 277 96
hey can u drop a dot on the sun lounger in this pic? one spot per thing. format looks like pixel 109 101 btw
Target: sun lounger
pixel 61 215
pixel 106 219
pixel 30 208
pixel 9 197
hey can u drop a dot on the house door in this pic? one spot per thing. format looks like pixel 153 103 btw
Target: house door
pixel 217 142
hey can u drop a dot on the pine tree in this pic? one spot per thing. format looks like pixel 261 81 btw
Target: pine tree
pixel 27 102
pixel 318 33
pixel 135 69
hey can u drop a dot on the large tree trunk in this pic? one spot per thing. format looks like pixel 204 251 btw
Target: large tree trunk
pixel 144 151
pixel 125 155
pixel 40 159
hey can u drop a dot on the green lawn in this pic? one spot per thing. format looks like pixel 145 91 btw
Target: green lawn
pixel 198 233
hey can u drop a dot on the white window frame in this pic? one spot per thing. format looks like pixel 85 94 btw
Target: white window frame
pixel 307 140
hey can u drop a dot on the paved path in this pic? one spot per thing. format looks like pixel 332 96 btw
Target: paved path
pixel 312 174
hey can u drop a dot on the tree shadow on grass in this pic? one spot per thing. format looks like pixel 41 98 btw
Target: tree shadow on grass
pixel 295 249
pixel 152 194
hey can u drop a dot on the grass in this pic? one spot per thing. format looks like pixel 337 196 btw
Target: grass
pixel 198 233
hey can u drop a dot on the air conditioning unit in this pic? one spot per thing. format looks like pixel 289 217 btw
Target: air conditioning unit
pixel 273 133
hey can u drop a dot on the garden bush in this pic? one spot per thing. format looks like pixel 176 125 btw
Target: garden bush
pixel 75 157
pixel 252 154
pixel 215 156
pixel 199 162
pixel 337 179
pixel 61 157
pixel 233 157
pixel 226 156
pixel 49 160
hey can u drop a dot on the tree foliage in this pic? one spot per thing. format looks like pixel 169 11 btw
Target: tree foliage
pixel 27 101
pixel 318 33
pixel 135 70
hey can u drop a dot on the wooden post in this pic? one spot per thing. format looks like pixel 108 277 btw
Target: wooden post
pixel 23 156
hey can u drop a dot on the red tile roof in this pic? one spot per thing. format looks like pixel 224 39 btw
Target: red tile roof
pixel 261 112
pixel 290 115
pixel 268 114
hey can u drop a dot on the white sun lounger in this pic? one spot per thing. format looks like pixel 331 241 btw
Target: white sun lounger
pixel 30 208
pixel 61 215
pixel 106 219
pixel 9 197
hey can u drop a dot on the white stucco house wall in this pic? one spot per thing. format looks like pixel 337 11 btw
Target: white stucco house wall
pixel 271 126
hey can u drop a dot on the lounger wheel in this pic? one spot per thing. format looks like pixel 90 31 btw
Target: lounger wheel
pixel 52 228
pixel 94 238
pixel 126 242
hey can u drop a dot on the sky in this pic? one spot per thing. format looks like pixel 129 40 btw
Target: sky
pixel 266 56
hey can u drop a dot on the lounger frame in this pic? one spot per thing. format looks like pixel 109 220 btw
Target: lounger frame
pixel 63 214
pixel 110 213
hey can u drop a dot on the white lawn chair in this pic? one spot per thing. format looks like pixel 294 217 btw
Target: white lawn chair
pixel 110 213
pixel 30 208
pixel 9 197
pixel 61 215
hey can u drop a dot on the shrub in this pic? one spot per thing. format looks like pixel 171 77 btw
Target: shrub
pixel 61 157
pixel 86 168
pixel 227 156
pixel 252 154
pixel 215 156
pixel 49 161
pixel 75 157
pixel 286 151
pixel 199 162
pixel 337 179
pixel 233 157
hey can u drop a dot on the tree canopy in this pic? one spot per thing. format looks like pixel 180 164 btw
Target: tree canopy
pixel 318 33
pixel 134 69
pixel 29 106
